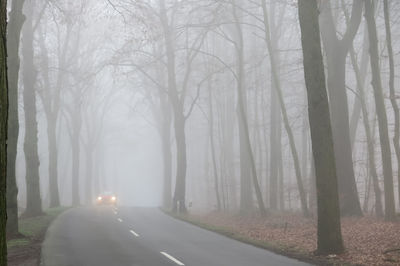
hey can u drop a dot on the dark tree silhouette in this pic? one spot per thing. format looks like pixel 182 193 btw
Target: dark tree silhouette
pixel 329 231
pixel 3 130
pixel 17 19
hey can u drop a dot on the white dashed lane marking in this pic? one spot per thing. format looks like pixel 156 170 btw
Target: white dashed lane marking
pixel 120 220
pixel 172 258
pixel 134 233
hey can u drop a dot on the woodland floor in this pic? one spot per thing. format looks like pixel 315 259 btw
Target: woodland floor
pixel 368 240
pixel 26 248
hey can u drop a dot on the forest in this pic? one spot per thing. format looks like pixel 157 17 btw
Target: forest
pixel 276 120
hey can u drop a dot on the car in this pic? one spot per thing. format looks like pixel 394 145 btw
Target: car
pixel 106 198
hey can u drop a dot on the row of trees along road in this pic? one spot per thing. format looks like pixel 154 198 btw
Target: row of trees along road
pixel 54 80
pixel 186 52
pixel 226 73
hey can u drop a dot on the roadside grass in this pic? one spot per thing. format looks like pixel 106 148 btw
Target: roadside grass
pixel 33 227
pixel 275 247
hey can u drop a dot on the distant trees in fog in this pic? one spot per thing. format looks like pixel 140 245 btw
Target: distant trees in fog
pixel 244 79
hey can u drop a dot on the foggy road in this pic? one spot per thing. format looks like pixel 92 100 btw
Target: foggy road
pixel 146 237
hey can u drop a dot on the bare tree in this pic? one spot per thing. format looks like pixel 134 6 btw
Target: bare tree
pixel 396 137
pixel 3 131
pixel 17 19
pixel 381 112
pixel 329 231
pixel 34 201
pixel 288 128
pixel 336 52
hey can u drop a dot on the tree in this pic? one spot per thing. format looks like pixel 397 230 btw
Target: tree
pixel 396 137
pixel 50 97
pixel 288 128
pixel 380 112
pixel 212 146
pixel 3 130
pixel 34 201
pixel 336 52
pixel 275 116
pixel 361 101
pixel 177 98
pixel 246 152
pixel 329 231
pixel 17 19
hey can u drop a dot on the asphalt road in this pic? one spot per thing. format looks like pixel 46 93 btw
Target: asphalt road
pixel 104 236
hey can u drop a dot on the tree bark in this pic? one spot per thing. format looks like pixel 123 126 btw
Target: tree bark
pixel 336 51
pixel 34 201
pixel 76 130
pixel 89 175
pixel 381 113
pixel 17 19
pixel 329 231
pixel 214 160
pixel 3 130
pixel 53 161
pixel 275 150
pixel 167 158
pixel 396 140
pixel 180 186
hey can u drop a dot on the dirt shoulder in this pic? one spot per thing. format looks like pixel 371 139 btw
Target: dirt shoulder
pixel 368 241
pixel 25 250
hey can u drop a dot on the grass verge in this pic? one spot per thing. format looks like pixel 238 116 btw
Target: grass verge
pixel 26 249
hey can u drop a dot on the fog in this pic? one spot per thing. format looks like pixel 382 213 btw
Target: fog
pixel 272 122
pixel 198 105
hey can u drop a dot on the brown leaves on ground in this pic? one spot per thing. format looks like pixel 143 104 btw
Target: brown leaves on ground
pixel 368 240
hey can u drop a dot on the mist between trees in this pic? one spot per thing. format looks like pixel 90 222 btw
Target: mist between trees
pixel 242 106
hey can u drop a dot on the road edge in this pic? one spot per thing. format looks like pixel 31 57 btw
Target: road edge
pixel 27 247
pixel 289 252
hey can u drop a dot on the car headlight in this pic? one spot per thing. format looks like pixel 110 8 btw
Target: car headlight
pixel 99 198
pixel 113 198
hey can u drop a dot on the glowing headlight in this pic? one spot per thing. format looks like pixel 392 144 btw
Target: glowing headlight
pixel 99 198
pixel 113 198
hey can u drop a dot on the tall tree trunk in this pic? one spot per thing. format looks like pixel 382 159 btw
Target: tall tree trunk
pixel 96 177
pixel 381 113
pixel 34 202
pixel 17 19
pixel 246 195
pixel 242 117
pixel 286 123
pixel 370 139
pixel 361 75
pixel 53 161
pixel 179 118
pixel 51 109
pixel 276 127
pixel 329 232
pixel 336 51
pixel 275 150
pixel 180 185
pixel 211 134
pixel 281 186
pixel 229 135
pixel 167 159
pixel 3 130
pixel 396 136
pixel 76 129
pixel 89 175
